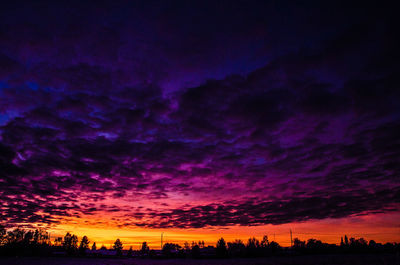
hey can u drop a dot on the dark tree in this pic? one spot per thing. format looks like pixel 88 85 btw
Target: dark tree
pixel 274 247
pixel 70 243
pixel 74 242
pixel 145 248
pixel 221 248
pixel 298 244
pixel 118 246
pixel 130 252
pixel 253 243
pixel 193 244
pixel 36 236
pixel 252 247
pixel 314 244
pixel 201 244
pixel 58 241
pixel 3 235
pixel 40 236
pixel 264 242
pixel 94 246
pixel 196 252
pixel 171 249
pixel 236 248
pixel 67 240
pixel 372 244
pixel 28 237
pixel 186 246
pixel 84 245
pixel 15 236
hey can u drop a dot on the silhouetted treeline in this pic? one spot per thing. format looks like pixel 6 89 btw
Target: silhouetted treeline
pixel 352 245
pixel 19 242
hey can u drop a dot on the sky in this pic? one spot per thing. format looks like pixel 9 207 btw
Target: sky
pixel 200 119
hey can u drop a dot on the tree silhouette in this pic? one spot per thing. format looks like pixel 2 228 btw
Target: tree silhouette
pixel 274 247
pixel 28 237
pixel 221 248
pixel 196 251
pixel 186 246
pixel 70 243
pixel 84 245
pixel 15 236
pixel 145 248
pixel 372 244
pixel 314 244
pixel 236 248
pixel 94 246
pixel 67 240
pixel 171 249
pixel 58 241
pixel 130 252
pixel 118 246
pixel 40 236
pixel 193 244
pixel 74 242
pixel 201 243
pixel 298 244
pixel 253 247
pixel 264 242
pixel 3 234
pixel 36 236
pixel 10 237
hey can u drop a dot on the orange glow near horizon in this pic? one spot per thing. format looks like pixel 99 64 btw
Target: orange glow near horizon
pixel 379 227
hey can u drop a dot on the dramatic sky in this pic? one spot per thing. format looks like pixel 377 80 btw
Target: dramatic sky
pixel 200 119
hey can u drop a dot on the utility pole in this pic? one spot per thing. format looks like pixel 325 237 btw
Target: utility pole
pixel 162 233
pixel 291 239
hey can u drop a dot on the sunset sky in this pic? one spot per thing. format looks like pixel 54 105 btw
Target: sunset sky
pixel 200 119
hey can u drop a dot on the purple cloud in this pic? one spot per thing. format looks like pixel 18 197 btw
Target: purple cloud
pixel 257 125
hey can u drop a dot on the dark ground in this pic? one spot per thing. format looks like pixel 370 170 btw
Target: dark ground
pixel 360 259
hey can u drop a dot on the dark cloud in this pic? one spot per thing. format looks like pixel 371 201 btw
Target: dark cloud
pixel 295 209
pixel 243 119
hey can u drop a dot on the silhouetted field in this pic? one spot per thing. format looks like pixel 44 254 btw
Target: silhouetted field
pixel 351 259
